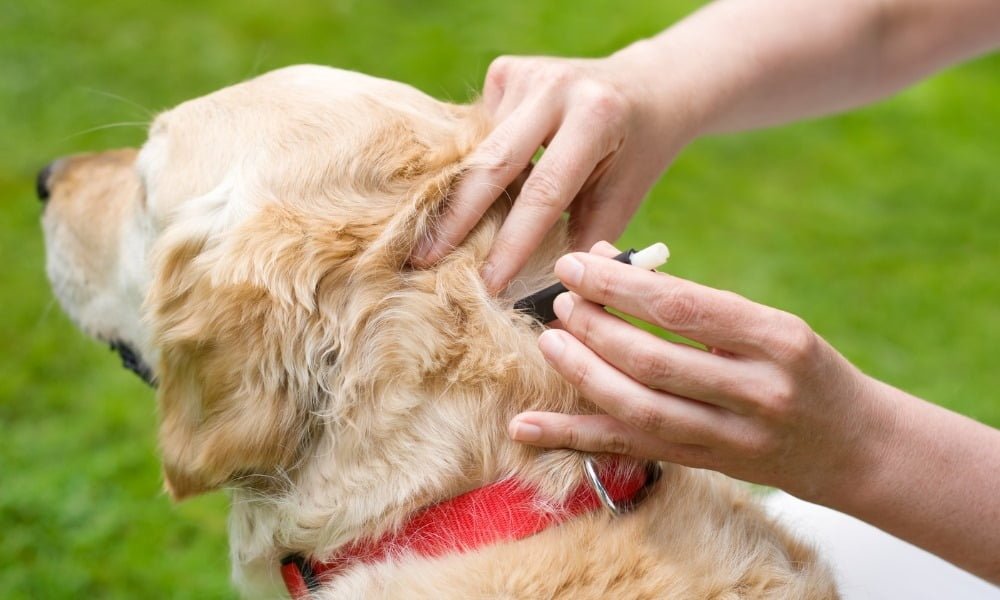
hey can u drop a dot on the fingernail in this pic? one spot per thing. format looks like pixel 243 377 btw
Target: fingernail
pixel 563 306
pixel 551 343
pixel 524 432
pixel 569 269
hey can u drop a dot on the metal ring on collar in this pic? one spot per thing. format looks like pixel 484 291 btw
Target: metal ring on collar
pixel 653 472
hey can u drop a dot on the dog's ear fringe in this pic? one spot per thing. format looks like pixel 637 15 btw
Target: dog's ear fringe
pixel 207 442
pixel 225 405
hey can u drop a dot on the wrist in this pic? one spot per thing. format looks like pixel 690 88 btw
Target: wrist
pixel 865 463
pixel 928 476
pixel 668 100
pixel 695 66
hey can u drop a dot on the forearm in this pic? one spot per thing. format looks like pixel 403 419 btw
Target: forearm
pixel 931 477
pixel 743 64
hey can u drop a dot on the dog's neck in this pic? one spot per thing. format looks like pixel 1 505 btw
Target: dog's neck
pixel 428 425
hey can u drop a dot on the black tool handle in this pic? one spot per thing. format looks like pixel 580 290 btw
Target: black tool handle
pixel 539 304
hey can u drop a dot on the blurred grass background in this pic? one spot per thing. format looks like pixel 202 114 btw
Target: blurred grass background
pixel 880 228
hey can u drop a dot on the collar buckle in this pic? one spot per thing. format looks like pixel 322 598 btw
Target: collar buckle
pixel 619 508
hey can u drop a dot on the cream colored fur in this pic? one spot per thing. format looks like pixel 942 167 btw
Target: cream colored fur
pixel 304 366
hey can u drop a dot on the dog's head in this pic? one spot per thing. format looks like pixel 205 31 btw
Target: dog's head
pixel 253 256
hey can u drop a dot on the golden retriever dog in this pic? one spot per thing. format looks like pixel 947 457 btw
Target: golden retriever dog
pixel 252 260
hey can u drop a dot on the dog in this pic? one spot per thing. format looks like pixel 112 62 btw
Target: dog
pixel 251 261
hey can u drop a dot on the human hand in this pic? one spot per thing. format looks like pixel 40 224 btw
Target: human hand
pixel 605 144
pixel 770 401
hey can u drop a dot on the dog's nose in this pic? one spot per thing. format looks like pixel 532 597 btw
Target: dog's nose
pixel 42 181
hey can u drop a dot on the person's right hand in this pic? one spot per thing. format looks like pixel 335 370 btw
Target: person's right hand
pixel 605 142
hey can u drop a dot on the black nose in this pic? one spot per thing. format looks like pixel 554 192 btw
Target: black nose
pixel 42 182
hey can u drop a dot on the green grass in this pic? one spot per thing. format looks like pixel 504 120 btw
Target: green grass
pixel 880 228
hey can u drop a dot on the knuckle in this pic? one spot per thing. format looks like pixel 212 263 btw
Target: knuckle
pixel 582 325
pixel 604 284
pixel 677 308
pixel 779 402
pixel 749 390
pixel 558 73
pixel 650 366
pixel 754 446
pixel 496 155
pixel 543 190
pixel 580 375
pixel 571 438
pixel 616 442
pixel 604 103
pixel 499 70
pixel 762 445
pixel 644 417
pixel 797 342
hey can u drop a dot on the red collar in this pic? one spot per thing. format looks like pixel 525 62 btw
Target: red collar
pixel 503 511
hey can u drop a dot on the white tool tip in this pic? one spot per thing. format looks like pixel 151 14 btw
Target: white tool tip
pixel 652 257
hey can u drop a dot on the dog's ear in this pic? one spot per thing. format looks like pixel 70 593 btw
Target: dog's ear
pixel 226 410
pixel 243 345
pixel 215 429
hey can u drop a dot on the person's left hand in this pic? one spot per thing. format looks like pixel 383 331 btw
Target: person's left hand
pixel 770 401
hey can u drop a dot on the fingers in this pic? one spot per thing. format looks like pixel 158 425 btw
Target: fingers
pixel 676 368
pixel 495 85
pixel 669 417
pixel 498 160
pixel 599 433
pixel 715 318
pixel 601 248
pixel 568 162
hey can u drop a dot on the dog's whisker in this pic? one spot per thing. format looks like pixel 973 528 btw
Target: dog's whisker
pixel 258 60
pixel 141 124
pixel 44 315
pixel 148 111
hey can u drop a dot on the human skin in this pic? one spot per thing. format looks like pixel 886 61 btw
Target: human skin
pixel 771 402
pixel 611 126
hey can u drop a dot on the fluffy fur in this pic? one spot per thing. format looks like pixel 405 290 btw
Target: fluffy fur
pixel 255 252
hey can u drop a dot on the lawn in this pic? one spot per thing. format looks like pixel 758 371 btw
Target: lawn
pixel 881 228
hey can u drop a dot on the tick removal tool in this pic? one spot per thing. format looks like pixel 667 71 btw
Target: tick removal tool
pixel 539 304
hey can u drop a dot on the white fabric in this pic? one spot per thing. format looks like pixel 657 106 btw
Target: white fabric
pixel 870 564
